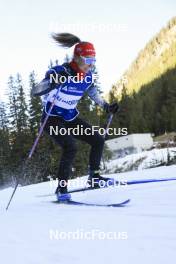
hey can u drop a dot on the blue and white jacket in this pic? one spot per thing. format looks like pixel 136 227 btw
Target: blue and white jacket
pixel 70 92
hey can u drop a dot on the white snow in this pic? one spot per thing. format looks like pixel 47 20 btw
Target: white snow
pixel 142 160
pixel 145 229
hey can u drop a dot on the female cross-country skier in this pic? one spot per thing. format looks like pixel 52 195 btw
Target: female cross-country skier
pixel 65 115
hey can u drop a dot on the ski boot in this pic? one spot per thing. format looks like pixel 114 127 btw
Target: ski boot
pixel 95 180
pixel 62 195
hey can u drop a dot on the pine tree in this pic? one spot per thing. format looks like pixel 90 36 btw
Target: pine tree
pixel 13 105
pixel 22 106
pixel 18 122
pixel 35 107
pixel 4 145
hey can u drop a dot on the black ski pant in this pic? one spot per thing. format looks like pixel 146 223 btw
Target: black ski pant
pixel 68 143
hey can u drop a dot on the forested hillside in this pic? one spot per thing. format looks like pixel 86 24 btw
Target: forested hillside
pixel 147 90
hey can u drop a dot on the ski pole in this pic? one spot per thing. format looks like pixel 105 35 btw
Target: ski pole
pixel 107 125
pixel 34 146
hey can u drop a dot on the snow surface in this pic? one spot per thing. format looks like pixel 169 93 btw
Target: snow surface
pixel 141 160
pixel 145 229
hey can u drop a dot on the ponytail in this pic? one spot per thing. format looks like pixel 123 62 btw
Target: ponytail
pixel 65 40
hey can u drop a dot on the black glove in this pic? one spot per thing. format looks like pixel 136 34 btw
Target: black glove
pixel 111 108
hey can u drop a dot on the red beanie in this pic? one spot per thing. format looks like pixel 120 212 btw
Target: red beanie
pixel 84 49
